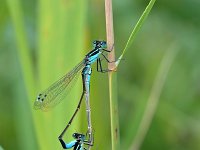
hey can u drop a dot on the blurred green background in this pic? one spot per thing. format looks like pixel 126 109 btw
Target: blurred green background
pixel 42 40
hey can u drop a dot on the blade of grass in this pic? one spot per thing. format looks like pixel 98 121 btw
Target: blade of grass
pixel 115 138
pixel 137 27
pixel 22 42
pixel 27 70
pixel 153 99
pixel 44 129
pixel 60 49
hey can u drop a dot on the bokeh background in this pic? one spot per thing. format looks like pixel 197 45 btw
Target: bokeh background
pixel 42 40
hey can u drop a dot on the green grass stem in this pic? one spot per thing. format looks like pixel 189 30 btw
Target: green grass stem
pixel 27 71
pixel 115 138
pixel 137 27
pixel 153 99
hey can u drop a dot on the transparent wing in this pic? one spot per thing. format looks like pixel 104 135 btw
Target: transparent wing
pixel 58 90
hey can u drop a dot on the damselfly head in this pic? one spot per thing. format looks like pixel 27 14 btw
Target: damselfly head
pixel 78 136
pixel 99 44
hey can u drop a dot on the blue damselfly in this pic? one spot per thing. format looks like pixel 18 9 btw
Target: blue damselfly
pixel 55 93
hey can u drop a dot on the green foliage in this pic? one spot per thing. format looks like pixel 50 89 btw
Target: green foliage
pixel 42 40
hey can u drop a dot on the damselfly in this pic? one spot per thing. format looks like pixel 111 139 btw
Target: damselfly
pixel 77 144
pixel 55 93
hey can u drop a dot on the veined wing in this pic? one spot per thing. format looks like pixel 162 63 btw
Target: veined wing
pixel 58 90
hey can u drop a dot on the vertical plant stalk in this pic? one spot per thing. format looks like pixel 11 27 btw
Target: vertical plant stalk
pixel 112 77
pixel 153 99
pixel 136 29
pixel 26 65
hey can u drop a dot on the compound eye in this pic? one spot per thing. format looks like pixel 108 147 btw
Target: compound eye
pixel 74 135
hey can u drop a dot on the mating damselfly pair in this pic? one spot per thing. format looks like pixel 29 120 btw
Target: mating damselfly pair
pixel 55 93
